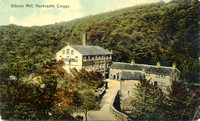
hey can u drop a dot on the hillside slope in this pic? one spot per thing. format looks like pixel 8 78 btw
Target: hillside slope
pixel 165 32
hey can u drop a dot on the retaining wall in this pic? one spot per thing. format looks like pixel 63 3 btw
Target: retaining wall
pixel 120 116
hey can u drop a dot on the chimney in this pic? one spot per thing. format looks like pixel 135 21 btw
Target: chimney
pixel 68 43
pixel 158 63
pixel 132 62
pixel 174 65
pixel 84 39
pixel 111 51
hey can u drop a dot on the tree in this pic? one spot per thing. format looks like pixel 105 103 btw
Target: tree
pixel 37 96
pixel 85 83
pixel 49 99
pixel 93 79
pixel 180 103
pixel 147 101
pixel 88 102
pixel 16 102
pixel 20 66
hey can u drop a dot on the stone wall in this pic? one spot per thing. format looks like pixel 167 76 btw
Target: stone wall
pixel 120 116
pixel 126 87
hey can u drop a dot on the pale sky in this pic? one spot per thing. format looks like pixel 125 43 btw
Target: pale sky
pixel 27 16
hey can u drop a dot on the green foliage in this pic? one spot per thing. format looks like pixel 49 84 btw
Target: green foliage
pixel 85 84
pixel 180 103
pixel 88 101
pixel 165 32
pixel 15 101
pixel 34 97
pixel 93 79
pixel 147 102
pixel 49 93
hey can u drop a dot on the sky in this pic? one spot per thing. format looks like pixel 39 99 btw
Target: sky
pixel 12 13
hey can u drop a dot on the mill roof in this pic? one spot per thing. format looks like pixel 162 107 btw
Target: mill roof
pixel 91 50
pixel 132 76
pixel 142 67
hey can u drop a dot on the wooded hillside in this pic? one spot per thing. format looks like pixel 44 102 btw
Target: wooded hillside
pixel 165 32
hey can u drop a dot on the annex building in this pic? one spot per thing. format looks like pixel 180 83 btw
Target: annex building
pixel 91 58
pixel 129 73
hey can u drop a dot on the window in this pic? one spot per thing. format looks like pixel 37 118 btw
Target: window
pixel 117 77
pixel 72 59
pixel 147 74
pixel 76 59
pixel 72 52
pixel 157 76
pixel 162 83
pixel 67 51
pixel 84 58
pixel 155 83
pixel 163 76
pixel 107 66
pixel 102 66
pixel 63 52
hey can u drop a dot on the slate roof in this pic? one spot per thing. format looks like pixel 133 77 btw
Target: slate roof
pixel 91 50
pixel 132 76
pixel 147 68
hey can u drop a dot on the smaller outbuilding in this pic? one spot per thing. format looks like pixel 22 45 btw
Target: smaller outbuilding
pixel 129 73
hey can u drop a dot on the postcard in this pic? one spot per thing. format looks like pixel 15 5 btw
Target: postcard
pixel 99 60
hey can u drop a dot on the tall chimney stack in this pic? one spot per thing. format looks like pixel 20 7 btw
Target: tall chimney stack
pixel 174 65
pixel 84 39
pixel 158 63
pixel 132 62
pixel 111 51
pixel 68 43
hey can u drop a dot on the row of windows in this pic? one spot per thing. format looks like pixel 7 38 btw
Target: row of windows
pixel 96 67
pixel 70 59
pixel 160 76
pixel 157 75
pixel 73 59
pixel 68 52
pixel 97 57
pixel 159 83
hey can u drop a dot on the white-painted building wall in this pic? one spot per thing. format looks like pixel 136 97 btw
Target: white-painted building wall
pixel 73 59
pixel 163 81
pixel 117 73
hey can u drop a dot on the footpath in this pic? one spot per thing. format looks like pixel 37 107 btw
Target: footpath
pixel 104 114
